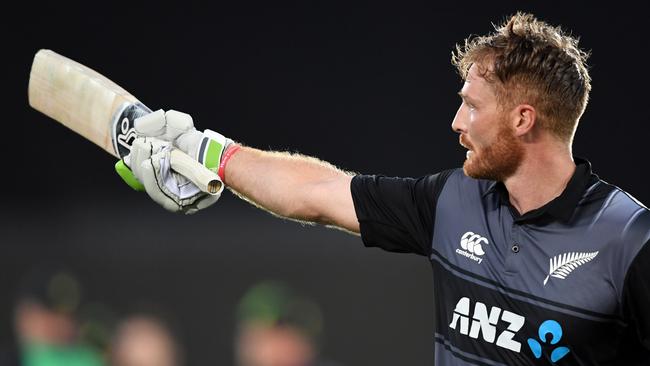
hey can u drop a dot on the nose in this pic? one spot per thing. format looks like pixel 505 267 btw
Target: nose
pixel 458 124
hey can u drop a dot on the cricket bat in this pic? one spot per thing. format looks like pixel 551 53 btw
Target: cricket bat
pixel 100 110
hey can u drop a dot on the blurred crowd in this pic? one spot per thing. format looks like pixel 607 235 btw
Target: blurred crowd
pixel 52 326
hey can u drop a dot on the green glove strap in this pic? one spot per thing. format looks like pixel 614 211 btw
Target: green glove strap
pixel 127 176
pixel 211 149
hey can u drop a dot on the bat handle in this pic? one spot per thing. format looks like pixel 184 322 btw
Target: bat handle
pixel 204 178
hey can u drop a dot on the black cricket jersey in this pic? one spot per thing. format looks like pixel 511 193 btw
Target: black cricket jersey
pixel 565 284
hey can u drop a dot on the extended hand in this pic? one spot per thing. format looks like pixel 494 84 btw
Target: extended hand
pixel 206 147
pixel 148 166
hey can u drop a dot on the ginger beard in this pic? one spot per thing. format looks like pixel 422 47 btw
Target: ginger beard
pixel 497 161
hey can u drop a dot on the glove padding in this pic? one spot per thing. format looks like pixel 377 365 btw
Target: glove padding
pixel 150 162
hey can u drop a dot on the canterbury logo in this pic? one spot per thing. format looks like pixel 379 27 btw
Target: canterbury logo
pixel 472 245
pixel 563 264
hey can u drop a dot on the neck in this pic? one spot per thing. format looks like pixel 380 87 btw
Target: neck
pixel 542 176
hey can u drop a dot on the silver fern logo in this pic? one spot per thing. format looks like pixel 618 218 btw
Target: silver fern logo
pixel 563 264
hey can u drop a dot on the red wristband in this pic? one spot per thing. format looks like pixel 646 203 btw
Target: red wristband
pixel 230 151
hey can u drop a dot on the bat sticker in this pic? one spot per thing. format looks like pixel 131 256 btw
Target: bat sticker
pixel 123 130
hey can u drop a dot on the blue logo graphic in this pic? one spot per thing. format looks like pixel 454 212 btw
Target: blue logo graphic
pixel 552 328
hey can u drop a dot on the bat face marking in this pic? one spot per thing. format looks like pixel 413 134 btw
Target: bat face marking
pixel 127 134
pixel 123 130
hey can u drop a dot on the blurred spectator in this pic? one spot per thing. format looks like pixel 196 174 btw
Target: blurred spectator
pixel 144 340
pixel 273 345
pixel 277 327
pixel 45 320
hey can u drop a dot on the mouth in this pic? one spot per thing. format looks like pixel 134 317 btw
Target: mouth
pixel 466 145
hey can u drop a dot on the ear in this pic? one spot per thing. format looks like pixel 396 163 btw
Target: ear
pixel 524 118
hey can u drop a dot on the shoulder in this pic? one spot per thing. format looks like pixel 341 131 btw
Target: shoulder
pixel 620 218
pixel 459 184
pixel 616 207
pixel 428 183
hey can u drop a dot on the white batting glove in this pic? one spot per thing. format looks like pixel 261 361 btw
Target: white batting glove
pixel 150 162
pixel 207 147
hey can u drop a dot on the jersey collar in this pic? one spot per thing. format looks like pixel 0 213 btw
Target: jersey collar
pixel 561 207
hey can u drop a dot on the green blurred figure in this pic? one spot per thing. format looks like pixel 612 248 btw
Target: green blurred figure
pixel 45 321
pixel 277 327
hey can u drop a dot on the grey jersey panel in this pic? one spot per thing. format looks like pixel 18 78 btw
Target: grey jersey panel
pixel 580 263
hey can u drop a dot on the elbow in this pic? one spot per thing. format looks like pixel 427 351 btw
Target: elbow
pixel 309 203
pixel 327 202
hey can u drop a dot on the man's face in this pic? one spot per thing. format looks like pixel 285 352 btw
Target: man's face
pixel 141 341
pixel 264 345
pixel 486 131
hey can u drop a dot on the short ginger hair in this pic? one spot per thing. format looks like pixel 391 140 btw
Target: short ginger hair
pixel 529 61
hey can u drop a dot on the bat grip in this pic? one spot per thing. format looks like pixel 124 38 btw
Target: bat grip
pixel 204 178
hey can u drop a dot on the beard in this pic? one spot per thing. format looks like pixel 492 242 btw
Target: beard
pixel 498 161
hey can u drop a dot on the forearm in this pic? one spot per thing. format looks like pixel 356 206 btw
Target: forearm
pixel 290 185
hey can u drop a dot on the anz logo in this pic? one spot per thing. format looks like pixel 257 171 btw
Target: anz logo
pixel 482 323
pixel 485 323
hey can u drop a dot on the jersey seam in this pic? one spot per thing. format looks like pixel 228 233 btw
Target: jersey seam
pixel 632 198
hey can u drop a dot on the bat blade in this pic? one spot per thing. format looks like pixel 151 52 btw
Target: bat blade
pixel 98 109
pixel 84 101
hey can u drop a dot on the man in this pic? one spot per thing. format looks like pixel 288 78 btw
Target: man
pixel 277 327
pixel 144 340
pixel 46 321
pixel 536 260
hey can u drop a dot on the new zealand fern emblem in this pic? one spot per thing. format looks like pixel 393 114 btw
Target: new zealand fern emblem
pixel 563 264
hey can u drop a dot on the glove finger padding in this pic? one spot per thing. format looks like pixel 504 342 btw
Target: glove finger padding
pixel 178 123
pixel 151 125
pixel 140 151
pixel 164 125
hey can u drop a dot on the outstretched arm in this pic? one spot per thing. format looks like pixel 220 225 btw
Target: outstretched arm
pixel 289 185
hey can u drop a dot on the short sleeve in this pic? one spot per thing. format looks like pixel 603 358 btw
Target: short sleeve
pixel 636 296
pixel 397 214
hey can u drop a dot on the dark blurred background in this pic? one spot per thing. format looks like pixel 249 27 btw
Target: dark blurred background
pixel 368 87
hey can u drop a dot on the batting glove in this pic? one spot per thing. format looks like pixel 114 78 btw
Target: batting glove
pixel 208 148
pixel 149 164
